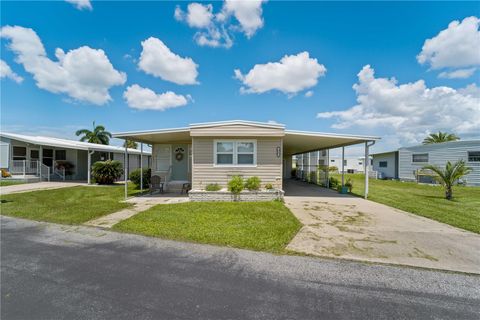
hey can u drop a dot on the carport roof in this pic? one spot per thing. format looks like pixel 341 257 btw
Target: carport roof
pixel 294 142
pixel 68 144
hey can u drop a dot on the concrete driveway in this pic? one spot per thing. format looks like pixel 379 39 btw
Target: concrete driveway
pixel 53 271
pixel 343 226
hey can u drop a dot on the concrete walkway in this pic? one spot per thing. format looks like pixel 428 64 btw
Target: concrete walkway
pixel 343 226
pixel 27 187
pixel 139 204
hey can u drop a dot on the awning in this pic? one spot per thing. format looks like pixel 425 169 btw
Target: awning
pixel 296 142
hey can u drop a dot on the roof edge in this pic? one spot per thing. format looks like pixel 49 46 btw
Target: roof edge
pixel 335 135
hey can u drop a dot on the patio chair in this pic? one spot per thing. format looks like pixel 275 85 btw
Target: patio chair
pixel 156 184
pixel 186 187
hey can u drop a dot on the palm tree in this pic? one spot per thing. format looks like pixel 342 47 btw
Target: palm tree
pixel 440 137
pixel 450 175
pixel 130 144
pixel 98 135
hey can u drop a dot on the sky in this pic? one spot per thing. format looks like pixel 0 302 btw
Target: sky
pixel 397 70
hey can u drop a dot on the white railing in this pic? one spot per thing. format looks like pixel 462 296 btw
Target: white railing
pixel 44 172
pixel 24 167
pixel 60 172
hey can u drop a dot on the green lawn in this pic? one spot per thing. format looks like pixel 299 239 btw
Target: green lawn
pixel 4 183
pixel 424 200
pixel 73 205
pixel 263 226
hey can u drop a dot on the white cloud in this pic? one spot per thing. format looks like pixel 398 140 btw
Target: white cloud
pixel 410 111
pixel 458 46
pixel 309 94
pixel 216 30
pixel 197 15
pixel 158 60
pixel 146 99
pixel 81 4
pixel 248 14
pixel 6 72
pixel 292 74
pixel 457 74
pixel 84 74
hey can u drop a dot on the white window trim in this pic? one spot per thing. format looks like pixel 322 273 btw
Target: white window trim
pixel 235 153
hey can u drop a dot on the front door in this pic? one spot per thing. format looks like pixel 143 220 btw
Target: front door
pixel 180 162
pixel 163 158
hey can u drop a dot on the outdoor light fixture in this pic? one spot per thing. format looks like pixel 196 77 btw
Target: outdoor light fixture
pixel 278 152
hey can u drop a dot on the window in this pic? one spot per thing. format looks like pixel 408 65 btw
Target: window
pixel 420 157
pixel 60 155
pixel 383 164
pixel 19 153
pixel 332 160
pixel 47 157
pixel 235 153
pixel 474 156
pixel 34 155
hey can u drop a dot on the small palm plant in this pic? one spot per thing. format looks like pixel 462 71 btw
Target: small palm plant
pixel 440 137
pixel 450 175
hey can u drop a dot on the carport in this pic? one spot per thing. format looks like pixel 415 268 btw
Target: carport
pixel 312 152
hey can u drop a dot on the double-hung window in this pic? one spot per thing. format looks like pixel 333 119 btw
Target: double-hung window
pixel 235 153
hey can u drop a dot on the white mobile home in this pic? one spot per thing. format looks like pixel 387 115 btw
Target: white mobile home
pixel 407 163
pixel 37 157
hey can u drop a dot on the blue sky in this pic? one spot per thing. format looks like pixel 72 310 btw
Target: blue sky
pixel 343 37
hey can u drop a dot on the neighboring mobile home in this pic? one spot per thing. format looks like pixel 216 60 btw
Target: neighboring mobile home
pixel 207 153
pixel 407 163
pixel 38 157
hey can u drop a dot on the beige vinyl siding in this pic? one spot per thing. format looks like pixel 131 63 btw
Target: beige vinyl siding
pixel 268 168
pixel 237 130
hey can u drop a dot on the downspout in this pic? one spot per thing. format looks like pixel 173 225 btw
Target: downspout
pixel 89 165
pixel 366 162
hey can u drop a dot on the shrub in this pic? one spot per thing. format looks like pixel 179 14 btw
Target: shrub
pixel 312 177
pixel 67 165
pixel 135 177
pixel 253 183
pixel 334 183
pixel 269 186
pixel 349 185
pixel 5 174
pixel 332 169
pixel 235 185
pixel 106 172
pixel 213 187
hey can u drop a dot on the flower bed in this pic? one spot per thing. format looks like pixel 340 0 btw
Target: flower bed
pixel 225 195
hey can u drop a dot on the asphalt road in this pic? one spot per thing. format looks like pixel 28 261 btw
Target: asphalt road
pixel 60 272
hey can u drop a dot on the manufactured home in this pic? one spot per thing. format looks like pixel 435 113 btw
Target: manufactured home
pixel 207 153
pixel 407 163
pixel 37 158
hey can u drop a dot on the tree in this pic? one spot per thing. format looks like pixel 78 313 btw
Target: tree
pixel 130 144
pixel 98 135
pixel 440 137
pixel 450 175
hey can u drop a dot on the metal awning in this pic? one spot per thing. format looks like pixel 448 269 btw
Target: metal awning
pixel 295 142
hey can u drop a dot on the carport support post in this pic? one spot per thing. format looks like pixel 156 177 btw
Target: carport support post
pixel 141 167
pixel 328 169
pixel 125 172
pixel 365 165
pixel 343 165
